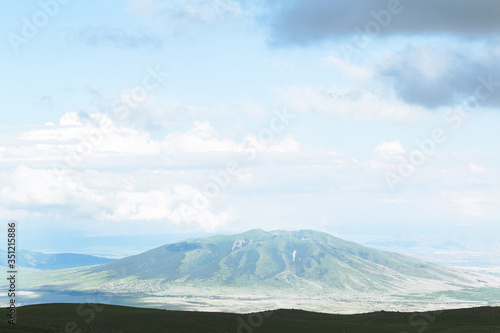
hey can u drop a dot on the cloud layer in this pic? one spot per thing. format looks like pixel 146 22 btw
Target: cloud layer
pixel 433 76
pixel 199 180
pixel 309 21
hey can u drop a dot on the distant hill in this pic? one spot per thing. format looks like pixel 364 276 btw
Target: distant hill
pixel 100 318
pixel 449 245
pixel 45 261
pixel 395 244
pixel 277 258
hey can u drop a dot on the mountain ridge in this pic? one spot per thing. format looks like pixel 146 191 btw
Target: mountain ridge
pixel 49 261
pixel 263 270
pixel 276 257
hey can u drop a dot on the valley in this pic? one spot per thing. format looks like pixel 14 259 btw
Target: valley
pixel 259 270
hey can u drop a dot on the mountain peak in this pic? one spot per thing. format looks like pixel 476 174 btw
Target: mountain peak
pixel 276 258
pixel 254 232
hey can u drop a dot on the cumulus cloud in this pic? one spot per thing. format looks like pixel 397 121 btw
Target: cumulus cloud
pixel 388 155
pixel 310 21
pixel 389 148
pixel 110 184
pixel 39 187
pixel 96 136
pixel 182 180
pixel 426 76
pixel 200 138
pixel 119 198
pixel 433 76
pixel 191 212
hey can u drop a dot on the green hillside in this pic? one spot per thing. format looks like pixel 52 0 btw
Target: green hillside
pixel 278 258
pixel 97 318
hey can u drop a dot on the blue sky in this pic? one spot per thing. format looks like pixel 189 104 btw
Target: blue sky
pixel 155 120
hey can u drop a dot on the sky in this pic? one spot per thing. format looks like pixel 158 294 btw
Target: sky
pixel 129 124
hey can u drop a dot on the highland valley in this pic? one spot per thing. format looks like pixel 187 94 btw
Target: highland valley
pixel 258 270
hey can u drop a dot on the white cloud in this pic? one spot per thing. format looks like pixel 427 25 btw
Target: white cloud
pixel 70 119
pixel 468 204
pixel 55 134
pixel 348 70
pixel 135 196
pixel 14 214
pixel 100 192
pixel 389 148
pixel 140 206
pixel 200 138
pixel 98 138
pixel 76 140
pixel 39 187
pixel 476 168
pixel 204 218
pixel 130 178
pixel 351 103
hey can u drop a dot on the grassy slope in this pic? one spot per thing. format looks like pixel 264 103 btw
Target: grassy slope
pixel 54 318
pixel 272 258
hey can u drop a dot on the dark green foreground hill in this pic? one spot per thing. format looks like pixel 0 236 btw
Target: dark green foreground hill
pixel 96 318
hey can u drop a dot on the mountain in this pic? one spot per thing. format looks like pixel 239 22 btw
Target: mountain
pixel 258 270
pixel 277 259
pixel 45 261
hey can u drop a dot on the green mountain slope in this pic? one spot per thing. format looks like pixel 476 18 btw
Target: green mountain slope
pixel 278 258
pixel 258 270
